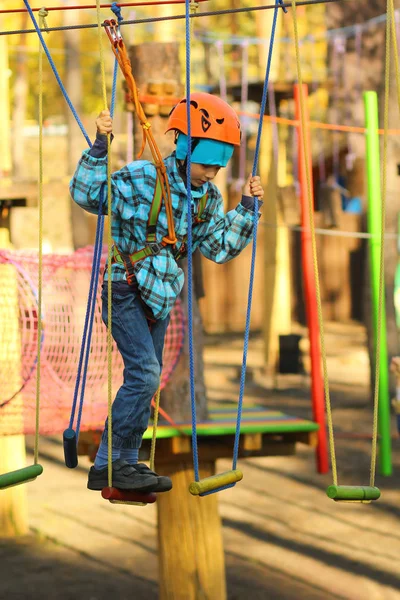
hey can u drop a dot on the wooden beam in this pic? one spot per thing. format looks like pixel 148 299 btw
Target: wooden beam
pixel 190 538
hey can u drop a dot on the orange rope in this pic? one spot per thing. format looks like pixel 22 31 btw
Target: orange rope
pixel 124 62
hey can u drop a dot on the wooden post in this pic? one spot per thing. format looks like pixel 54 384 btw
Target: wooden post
pixel 190 539
pixel 13 505
pixel 191 558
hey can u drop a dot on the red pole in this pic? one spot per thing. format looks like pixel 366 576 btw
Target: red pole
pixel 317 386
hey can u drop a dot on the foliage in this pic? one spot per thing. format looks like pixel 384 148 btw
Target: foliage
pixel 252 25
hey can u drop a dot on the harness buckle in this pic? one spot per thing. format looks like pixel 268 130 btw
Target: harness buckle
pixel 155 247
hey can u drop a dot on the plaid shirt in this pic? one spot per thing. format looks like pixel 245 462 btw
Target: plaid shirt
pixel 220 237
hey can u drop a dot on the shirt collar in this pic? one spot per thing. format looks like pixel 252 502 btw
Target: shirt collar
pixel 176 182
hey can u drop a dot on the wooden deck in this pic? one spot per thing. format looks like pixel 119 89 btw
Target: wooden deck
pixel 263 433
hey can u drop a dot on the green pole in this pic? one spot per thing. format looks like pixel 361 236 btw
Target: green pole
pixel 374 219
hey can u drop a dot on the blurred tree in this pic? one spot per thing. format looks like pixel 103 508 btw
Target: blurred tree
pixel 74 87
pixel 364 69
pixel 18 112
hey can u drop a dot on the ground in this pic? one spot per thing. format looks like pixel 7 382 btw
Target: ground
pixel 284 539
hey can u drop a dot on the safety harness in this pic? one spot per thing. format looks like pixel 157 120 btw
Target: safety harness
pixel 153 247
pixel 162 191
pixel 121 54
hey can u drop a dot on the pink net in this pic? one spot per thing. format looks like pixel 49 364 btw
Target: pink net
pixel 65 290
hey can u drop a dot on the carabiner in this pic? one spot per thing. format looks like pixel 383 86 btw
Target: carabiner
pixel 114 35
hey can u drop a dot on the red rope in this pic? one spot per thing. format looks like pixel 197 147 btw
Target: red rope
pixel 93 6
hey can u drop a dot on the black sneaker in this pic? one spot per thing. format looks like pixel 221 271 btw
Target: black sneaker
pixel 163 484
pixel 124 477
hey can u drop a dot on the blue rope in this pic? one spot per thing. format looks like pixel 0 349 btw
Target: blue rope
pixel 189 248
pixel 60 83
pixel 254 249
pixel 117 11
pixel 91 303
pixel 89 318
pixel 253 257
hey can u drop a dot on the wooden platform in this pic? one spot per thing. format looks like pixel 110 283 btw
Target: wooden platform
pixel 263 433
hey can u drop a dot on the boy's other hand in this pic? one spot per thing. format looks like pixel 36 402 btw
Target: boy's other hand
pixel 104 122
pixel 253 187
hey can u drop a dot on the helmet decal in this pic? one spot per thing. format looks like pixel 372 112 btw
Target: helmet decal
pixel 211 117
pixel 205 124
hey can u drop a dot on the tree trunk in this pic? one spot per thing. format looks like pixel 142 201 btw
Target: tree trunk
pixel 163 60
pixel 19 106
pixel 5 157
pixel 176 394
pixel 363 72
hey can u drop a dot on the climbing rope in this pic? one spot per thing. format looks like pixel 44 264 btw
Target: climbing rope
pixel 190 269
pixel 109 243
pixel 121 54
pixel 306 154
pixel 42 18
pixel 95 271
pixel 214 13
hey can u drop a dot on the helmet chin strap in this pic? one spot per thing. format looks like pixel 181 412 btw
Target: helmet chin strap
pixel 182 164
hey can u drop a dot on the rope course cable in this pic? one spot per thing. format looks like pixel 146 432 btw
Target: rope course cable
pixel 93 6
pixel 347 493
pixel 226 480
pixel 197 15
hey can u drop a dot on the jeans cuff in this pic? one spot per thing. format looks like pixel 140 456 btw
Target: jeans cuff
pixel 134 441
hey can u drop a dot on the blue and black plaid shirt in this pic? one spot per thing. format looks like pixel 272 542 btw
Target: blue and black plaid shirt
pixel 220 237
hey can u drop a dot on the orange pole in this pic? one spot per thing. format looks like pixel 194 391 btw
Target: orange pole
pixel 317 386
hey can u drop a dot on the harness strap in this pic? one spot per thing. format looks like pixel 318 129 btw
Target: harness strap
pixel 153 247
pixel 121 54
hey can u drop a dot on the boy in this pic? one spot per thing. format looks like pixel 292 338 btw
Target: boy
pixel 140 309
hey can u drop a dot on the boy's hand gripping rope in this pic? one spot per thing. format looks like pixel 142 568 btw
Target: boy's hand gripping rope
pixel 121 54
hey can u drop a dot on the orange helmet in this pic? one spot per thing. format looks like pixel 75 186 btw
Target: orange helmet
pixel 210 117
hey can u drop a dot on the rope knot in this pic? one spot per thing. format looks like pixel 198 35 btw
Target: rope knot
pixel 43 14
pixel 117 11
pixel 283 6
pixel 193 6
pixel 146 125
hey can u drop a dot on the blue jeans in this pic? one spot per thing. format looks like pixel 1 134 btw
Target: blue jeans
pixel 141 348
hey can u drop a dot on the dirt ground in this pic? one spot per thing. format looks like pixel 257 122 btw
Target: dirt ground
pixel 284 539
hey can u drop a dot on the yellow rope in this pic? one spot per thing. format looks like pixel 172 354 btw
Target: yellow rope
pixel 193 7
pixel 314 251
pixel 42 23
pixel 315 256
pixel 155 423
pixel 110 243
pixel 389 18
pixel 395 50
pixel 109 286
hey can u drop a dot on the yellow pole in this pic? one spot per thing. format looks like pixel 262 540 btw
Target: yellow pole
pixel 13 504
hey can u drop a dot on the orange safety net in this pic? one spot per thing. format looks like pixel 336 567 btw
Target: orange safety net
pixel 66 281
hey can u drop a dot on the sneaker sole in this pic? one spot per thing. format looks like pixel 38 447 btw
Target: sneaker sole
pixel 161 487
pixel 122 485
